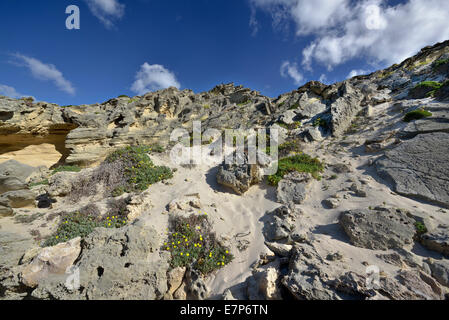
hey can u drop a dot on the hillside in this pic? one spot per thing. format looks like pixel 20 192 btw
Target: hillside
pixel 362 193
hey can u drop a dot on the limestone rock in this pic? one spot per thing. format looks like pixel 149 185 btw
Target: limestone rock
pixel 378 229
pixel 418 167
pixel 293 188
pixel 307 275
pixel 440 270
pixel 239 177
pixel 60 184
pixel 175 278
pixel 51 261
pixel 437 239
pixel 280 224
pixel 196 287
pixel 263 285
pixel 116 264
pixel 18 199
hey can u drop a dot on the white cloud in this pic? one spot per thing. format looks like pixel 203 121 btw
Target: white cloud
pixel 47 72
pixel 107 11
pixel 357 72
pixel 11 92
pixel 344 29
pixel 153 77
pixel 289 69
pixel 323 79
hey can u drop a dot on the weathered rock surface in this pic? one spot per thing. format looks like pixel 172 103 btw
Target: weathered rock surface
pixel 51 261
pixel 440 270
pixel 116 264
pixel 195 285
pixel 407 285
pixel 264 285
pixel 239 176
pixel 280 224
pixel 378 229
pixel 437 239
pixel 419 167
pixel 18 199
pixel 307 275
pixel 293 188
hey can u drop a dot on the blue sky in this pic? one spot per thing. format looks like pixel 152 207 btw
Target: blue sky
pixel 273 46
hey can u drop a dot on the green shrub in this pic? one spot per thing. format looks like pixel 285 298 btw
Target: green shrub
pixel 440 62
pixel 416 115
pixel 244 103
pixel 433 86
pixel 321 123
pixel 192 241
pixel 294 106
pixel 79 224
pixel 299 163
pixel 420 228
pixel 123 96
pixel 139 170
pixel 40 183
pixel 66 169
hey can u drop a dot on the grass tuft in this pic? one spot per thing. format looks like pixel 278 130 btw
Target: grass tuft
pixel 416 115
pixel 299 163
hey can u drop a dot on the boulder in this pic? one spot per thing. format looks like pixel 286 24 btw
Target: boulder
pixel 263 285
pixel 50 262
pixel 18 199
pixel 378 229
pixel 293 188
pixel 60 184
pixel 437 239
pixel 407 285
pixel 116 264
pixel 175 278
pixel 440 270
pixel 195 285
pixel 239 177
pixel 419 167
pixel 280 224
pixel 307 275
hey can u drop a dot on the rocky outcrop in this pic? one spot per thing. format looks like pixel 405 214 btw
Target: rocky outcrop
pixel 239 176
pixel 51 262
pixel 378 229
pixel 437 239
pixel 116 264
pixel 280 224
pixel 292 189
pixel 345 108
pixel 307 275
pixel 406 285
pixel 419 167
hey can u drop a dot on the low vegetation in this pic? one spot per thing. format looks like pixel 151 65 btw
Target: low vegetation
pixel 300 163
pixel 416 115
pixel 40 183
pixel 66 169
pixel 192 242
pixel 440 62
pixel 79 224
pixel 126 170
pixel 321 123
pixel 420 228
pixel 432 86
pixel 139 170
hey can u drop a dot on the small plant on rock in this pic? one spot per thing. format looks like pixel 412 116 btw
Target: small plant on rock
pixel 416 115
pixel 66 169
